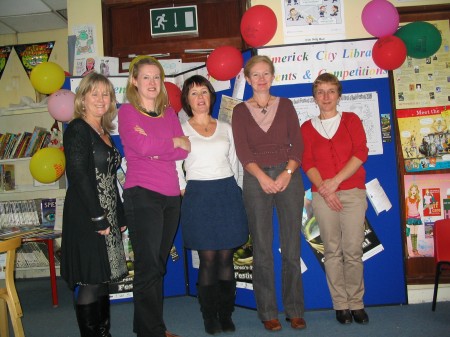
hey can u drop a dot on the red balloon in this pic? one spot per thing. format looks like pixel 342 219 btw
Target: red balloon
pixel 389 52
pixel 224 63
pixel 174 94
pixel 258 25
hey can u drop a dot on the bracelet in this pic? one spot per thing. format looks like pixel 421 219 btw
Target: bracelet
pixel 100 218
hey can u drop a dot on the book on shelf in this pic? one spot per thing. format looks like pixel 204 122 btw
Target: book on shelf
pixel 48 209
pixel 18 213
pixel 7 177
pixel 20 144
pixel 38 132
pixel 5 143
pixel 24 146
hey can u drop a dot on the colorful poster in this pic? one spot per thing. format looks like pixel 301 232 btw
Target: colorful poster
pixel 311 232
pixel 313 20
pixel 4 56
pixel 427 199
pixel 33 54
pixel 425 82
pixel 301 64
pixel 425 138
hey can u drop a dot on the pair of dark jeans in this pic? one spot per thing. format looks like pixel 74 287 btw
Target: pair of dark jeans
pixel 152 220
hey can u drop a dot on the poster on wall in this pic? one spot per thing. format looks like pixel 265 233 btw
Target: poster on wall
pixel 302 63
pixel 425 138
pixel 312 21
pixel 425 82
pixel 311 232
pixel 427 199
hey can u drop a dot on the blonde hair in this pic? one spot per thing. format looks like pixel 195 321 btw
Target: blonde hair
pixel 417 194
pixel 89 83
pixel 162 100
pixel 256 59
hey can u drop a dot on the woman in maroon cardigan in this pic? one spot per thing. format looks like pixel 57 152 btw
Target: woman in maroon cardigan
pixel 335 149
pixel 269 145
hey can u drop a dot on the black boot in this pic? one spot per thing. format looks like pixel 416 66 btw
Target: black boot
pixel 88 319
pixel 207 297
pixel 105 322
pixel 227 295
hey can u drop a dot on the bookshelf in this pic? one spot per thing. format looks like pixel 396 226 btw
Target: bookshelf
pixel 26 188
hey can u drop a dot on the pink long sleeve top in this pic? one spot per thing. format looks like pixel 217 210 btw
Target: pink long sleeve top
pixel 151 157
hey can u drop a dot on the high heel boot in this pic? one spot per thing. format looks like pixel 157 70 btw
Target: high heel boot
pixel 88 319
pixel 227 295
pixel 207 297
pixel 104 321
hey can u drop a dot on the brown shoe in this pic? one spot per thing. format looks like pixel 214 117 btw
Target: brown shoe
pixel 297 322
pixel 272 325
pixel 170 334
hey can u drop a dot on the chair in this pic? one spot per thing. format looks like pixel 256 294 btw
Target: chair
pixel 441 238
pixel 8 295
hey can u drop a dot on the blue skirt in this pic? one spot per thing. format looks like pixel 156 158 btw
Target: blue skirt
pixel 213 215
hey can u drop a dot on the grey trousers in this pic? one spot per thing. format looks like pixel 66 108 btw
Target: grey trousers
pixel 289 206
pixel 342 234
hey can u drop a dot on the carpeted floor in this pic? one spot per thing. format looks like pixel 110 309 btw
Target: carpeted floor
pixel 183 317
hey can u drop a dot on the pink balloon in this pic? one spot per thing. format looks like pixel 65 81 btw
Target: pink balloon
pixel 380 18
pixel 224 63
pixel 61 105
pixel 174 94
pixel 389 52
pixel 258 25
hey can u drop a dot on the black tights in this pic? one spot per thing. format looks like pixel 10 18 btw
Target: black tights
pixel 215 265
pixel 90 293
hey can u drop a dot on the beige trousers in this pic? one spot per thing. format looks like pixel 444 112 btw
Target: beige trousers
pixel 342 234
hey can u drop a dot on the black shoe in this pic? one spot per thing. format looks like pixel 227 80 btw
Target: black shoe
pixel 344 316
pixel 360 316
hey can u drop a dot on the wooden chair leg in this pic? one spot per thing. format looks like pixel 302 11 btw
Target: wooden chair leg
pixel 4 329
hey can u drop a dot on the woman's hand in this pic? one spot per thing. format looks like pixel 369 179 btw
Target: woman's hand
pixel 105 231
pixel 268 185
pixel 182 142
pixel 327 187
pixel 140 130
pixel 283 180
pixel 333 202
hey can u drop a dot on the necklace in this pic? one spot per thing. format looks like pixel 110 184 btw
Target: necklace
pixel 99 130
pixel 263 108
pixel 147 112
pixel 331 126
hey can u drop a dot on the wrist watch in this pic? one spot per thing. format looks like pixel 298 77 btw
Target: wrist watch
pixel 288 171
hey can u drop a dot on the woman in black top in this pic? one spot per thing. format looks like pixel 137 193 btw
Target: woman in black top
pixel 92 250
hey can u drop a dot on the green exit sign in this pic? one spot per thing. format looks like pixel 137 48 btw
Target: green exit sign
pixel 173 21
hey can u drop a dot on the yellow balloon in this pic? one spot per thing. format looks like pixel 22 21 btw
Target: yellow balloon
pixel 47 165
pixel 47 77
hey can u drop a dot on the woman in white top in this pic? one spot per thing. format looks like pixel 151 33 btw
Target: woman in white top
pixel 213 218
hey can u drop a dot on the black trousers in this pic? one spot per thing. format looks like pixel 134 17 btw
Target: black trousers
pixel 152 220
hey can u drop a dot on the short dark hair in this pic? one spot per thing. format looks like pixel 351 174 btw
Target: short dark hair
pixel 196 80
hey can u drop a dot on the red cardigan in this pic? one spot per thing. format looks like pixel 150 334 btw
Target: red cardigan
pixel 329 156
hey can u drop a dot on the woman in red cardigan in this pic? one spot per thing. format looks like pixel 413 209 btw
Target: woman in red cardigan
pixel 335 149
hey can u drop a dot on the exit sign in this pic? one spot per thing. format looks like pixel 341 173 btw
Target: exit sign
pixel 173 21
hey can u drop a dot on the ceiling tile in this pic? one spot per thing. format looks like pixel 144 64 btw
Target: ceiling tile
pixel 34 23
pixel 20 7
pixel 5 29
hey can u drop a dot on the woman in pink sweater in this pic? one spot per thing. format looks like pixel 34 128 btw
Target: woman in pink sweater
pixel 153 140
